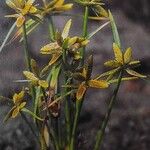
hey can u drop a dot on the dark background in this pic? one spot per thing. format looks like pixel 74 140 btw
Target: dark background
pixel 129 127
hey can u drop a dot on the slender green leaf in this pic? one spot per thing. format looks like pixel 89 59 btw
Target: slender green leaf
pixel 7 36
pixel 37 98
pixel 55 75
pixel 123 79
pixel 97 30
pixel 32 114
pixel 114 30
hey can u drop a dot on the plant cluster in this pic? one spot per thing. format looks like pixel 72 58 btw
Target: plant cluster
pixel 56 105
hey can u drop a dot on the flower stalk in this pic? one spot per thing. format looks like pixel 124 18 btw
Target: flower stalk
pixel 26 49
pixel 85 32
pixel 75 123
pixel 101 132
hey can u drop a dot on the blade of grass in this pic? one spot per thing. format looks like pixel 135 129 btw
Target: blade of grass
pixel 97 30
pixel 7 36
pixel 114 30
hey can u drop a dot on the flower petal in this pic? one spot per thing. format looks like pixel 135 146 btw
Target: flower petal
pixel 33 10
pixel 81 91
pixel 128 55
pixel 65 32
pixel 10 4
pixel 20 21
pixel 51 48
pixel 18 97
pixel 98 84
pixel 64 7
pixel 15 112
pixel 55 57
pixel 43 83
pixel 22 105
pixel 112 63
pixel 118 54
pixel 59 3
pixel 30 76
pixel 134 73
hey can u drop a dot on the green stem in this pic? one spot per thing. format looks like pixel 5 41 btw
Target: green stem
pixel 75 123
pixel 56 126
pixel 51 29
pixel 85 28
pixel 67 114
pixel 101 132
pixel 27 56
pixel 26 50
pixel 67 103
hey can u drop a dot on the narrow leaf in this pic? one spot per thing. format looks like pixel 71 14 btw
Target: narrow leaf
pixel 65 32
pixel 81 91
pixel 7 36
pixel 97 30
pixel 128 55
pixel 36 102
pixel 114 30
pixel 32 114
pixel 118 53
pixel 55 75
pixel 123 79
pixel 98 84
pixel 134 73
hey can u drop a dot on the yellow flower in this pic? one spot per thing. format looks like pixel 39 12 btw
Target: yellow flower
pixel 55 6
pixel 122 61
pixel 91 83
pixel 84 76
pixel 22 8
pixel 89 2
pixel 96 6
pixel 35 80
pixel 18 104
pixel 64 42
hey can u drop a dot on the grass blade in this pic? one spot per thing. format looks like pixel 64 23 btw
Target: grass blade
pixel 7 36
pixel 114 30
pixel 97 30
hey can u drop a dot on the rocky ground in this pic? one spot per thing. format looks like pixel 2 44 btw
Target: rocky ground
pixel 129 127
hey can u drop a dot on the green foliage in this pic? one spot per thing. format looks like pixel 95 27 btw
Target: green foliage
pixel 67 63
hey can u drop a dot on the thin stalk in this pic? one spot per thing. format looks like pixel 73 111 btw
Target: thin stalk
pixel 27 56
pixel 51 29
pixel 56 126
pixel 67 114
pixel 74 130
pixel 85 32
pixel 26 50
pixel 43 141
pixel 79 103
pixel 67 103
pixel 101 132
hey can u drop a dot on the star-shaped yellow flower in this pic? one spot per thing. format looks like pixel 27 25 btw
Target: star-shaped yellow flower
pixel 19 104
pixel 96 6
pixel 84 76
pixel 123 61
pixel 55 6
pixel 22 8
pixel 35 80
pixel 64 42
